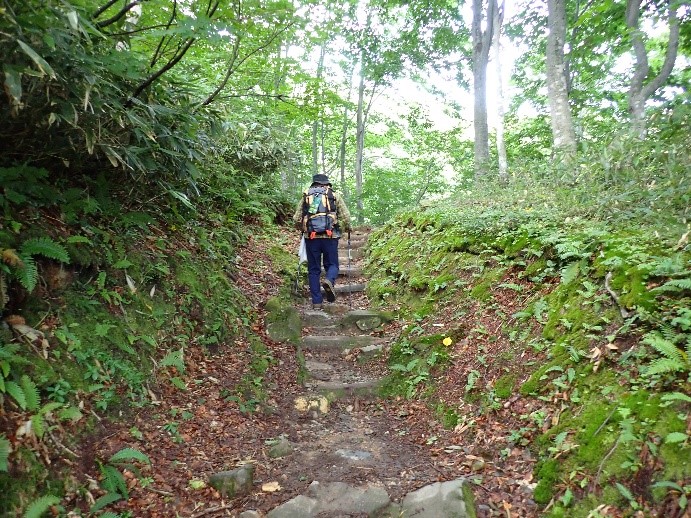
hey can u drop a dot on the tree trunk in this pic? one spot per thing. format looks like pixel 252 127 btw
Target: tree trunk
pixel 342 154
pixel 317 123
pixel 563 133
pixel 482 41
pixel 501 145
pixel 360 148
pixel 639 90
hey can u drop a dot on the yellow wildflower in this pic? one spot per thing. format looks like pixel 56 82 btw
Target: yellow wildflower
pixel 447 341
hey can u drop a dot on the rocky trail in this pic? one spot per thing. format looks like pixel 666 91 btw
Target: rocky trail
pixel 347 449
pixel 320 442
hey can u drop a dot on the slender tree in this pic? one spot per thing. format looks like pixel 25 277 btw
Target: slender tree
pixel 482 41
pixel 497 21
pixel 563 134
pixel 642 86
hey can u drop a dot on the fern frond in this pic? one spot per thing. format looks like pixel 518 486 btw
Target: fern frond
pixel 569 273
pixel 174 359
pixel 33 399
pixel 46 247
pixel 7 351
pixel 38 425
pixel 27 275
pixel 104 501
pixel 4 453
pixel 113 481
pixel 662 366
pixel 127 454
pixel 40 506
pixel 17 393
pixel 4 298
pixel 674 285
pixel 664 347
pixel 71 413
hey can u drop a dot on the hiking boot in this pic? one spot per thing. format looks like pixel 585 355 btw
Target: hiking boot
pixel 316 306
pixel 329 290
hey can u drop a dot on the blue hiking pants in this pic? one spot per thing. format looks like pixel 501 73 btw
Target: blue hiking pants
pixel 321 251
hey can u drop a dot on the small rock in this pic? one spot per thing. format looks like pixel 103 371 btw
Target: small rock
pixel 477 465
pixel 311 404
pixel 282 448
pixel 235 482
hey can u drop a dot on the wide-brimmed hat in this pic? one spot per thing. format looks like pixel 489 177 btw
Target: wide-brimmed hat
pixel 321 178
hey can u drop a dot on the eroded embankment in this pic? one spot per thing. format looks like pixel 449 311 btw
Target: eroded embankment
pixel 551 350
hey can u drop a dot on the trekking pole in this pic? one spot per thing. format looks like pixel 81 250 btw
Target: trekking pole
pixel 350 294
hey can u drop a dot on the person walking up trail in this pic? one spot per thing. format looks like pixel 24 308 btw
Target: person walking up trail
pixel 322 216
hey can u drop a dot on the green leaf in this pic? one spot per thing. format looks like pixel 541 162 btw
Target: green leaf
pixel 662 366
pixel 178 382
pixel 46 247
pixel 5 447
pixel 32 397
pixel 676 396
pixel 113 481
pixel 28 274
pixel 174 359
pixel 103 329
pixel 41 63
pixel 127 454
pixel 13 83
pixel 40 506
pixel 569 273
pixel 104 501
pixel 625 492
pixel 17 393
pixel 78 239
pixel 38 425
pixel 70 413
pixel 675 437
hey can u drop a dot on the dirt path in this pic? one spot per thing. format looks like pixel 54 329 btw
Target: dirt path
pixel 378 450
pixel 339 430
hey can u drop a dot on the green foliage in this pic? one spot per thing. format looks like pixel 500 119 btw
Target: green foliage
pixel 112 479
pixel 129 454
pixel 40 506
pixel 4 453
pixel 174 359
pixel 673 360
pixel 46 247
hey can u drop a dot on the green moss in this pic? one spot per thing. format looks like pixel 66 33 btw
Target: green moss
pixel 481 291
pixel 534 383
pixel 547 476
pixel 504 387
pixel 447 415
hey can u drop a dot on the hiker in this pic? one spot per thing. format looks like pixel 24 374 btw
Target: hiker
pixel 322 216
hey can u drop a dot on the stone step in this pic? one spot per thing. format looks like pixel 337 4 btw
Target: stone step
pixel 359 320
pixel 352 271
pixel 351 288
pixel 347 271
pixel 334 372
pixel 354 244
pixel 355 254
pixel 331 342
pixel 342 389
pixel 440 499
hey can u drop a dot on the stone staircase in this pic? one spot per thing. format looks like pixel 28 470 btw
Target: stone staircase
pixel 337 344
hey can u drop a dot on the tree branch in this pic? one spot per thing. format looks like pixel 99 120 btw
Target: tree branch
pixel 174 61
pixel 160 48
pixel 670 55
pixel 234 56
pixel 103 9
pixel 117 16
